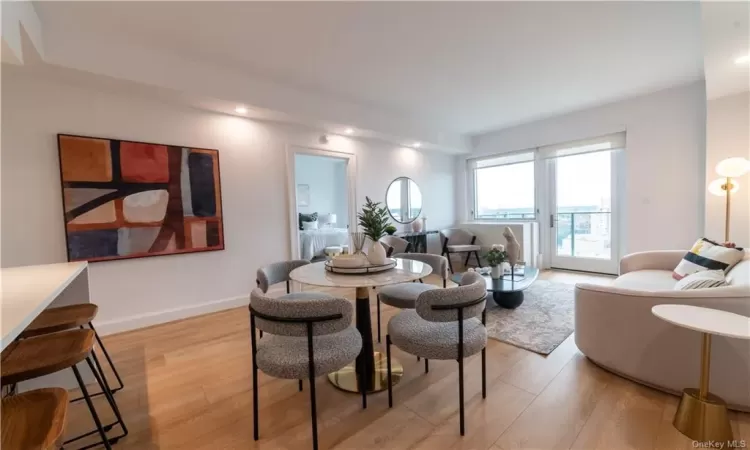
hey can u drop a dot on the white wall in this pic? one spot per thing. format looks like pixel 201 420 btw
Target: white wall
pixel 143 291
pixel 662 201
pixel 326 178
pixel 728 135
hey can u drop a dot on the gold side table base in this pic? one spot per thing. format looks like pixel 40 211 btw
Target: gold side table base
pixel 346 378
pixel 703 420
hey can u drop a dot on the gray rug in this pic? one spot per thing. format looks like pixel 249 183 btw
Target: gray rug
pixel 540 324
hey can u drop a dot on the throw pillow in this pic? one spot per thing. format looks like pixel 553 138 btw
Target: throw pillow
pixel 312 217
pixel 310 225
pixel 702 280
pixel 707 255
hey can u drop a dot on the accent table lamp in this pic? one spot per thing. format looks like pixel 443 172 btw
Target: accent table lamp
pixel 728 169
pixel 328 219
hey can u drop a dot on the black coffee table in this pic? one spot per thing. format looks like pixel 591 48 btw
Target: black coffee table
pixel 507 291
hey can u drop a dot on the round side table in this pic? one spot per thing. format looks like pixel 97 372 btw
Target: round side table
pixel 702 416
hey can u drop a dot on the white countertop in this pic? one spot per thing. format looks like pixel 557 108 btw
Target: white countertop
pixel 26 291
pixel 705 320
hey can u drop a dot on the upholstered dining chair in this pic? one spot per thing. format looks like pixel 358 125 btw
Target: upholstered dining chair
pixel 395 244
pixel 278 272
pixel 458 240
pixel 444 325
pixel 308 337
pixel 404 295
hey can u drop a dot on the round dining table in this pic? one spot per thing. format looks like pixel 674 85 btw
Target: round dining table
pixel 370 365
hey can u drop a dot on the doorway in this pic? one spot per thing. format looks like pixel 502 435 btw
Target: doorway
pixel 321 200
pixel 583 222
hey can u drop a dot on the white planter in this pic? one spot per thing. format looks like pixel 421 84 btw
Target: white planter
pixel 376 253
pixel 496 272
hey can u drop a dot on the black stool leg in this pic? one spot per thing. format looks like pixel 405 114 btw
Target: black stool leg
pixel 107 393
pixel 92 410
pixel 388 363
pixel 300 385
pixel 426 365
pixel 109 360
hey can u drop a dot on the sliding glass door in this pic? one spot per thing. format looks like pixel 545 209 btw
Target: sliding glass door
pixel 582 225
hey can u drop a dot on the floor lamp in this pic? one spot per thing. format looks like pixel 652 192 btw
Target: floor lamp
pixel 729 169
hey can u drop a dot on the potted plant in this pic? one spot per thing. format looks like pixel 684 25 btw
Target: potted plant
pixel 374 220
pixel 390 229
pixel 495 258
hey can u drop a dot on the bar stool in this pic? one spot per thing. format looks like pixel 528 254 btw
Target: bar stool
pixel 42 355
pixel 53 320
pixel 34 420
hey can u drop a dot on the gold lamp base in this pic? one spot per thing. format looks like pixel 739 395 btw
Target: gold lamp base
pixel 703 420
pixel 346 378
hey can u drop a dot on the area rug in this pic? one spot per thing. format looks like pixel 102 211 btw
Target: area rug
pixel 542 322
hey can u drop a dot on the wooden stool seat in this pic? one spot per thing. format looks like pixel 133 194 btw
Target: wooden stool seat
pixel 60 319
pixel 42 355
pixel 34 420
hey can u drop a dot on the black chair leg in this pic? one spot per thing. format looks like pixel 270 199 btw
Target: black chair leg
pixel 461 394
pixel 92 410
pixel 300 385
pixel 484 374
pixel 378 303
pixel 260 334
pixel 426 365
pixel 418 359
pixel 466 263
pixel 363 390
pixel 450 264
pixel 313 411
pixel 388 364
pixel 479 263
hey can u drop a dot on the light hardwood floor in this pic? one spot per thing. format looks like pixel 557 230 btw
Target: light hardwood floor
pixel 188 386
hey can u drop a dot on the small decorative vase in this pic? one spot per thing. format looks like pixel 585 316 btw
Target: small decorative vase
pixel 496 272
pixel 376 253
pixel 416 226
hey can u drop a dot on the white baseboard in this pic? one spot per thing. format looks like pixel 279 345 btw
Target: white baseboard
pixel 169 315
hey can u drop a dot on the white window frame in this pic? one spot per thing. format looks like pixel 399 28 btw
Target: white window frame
pixel 472 184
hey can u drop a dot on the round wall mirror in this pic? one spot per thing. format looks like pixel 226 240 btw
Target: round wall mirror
pixel 403 200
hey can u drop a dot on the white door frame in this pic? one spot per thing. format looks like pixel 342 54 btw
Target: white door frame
pixel 351 179
pixel 580 263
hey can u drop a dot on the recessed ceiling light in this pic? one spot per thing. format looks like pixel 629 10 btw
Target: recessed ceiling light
pixel 742 60
pixel 417 144
pixel 349 131
pixel 240 110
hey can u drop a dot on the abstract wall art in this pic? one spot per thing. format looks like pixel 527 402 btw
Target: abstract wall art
pixel 125 199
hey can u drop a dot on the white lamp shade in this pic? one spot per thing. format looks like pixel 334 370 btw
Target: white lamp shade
pixel 733 167
pixel 715 187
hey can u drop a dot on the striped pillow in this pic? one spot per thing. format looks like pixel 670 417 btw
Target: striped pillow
pixel 702 280
pixel 707 255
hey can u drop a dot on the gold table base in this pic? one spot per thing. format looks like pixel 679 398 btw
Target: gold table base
pixel 346 378
pixel 702 416
pixel 703 420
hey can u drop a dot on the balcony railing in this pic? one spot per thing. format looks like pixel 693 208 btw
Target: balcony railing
pixel 584 234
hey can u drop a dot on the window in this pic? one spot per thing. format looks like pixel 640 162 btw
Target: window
pixel 504 187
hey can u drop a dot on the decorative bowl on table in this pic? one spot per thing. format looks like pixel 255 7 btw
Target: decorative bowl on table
pixel 356 265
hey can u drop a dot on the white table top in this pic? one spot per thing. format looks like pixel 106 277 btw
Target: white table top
pixel 705 320
pixel 26 291
pixel 316 274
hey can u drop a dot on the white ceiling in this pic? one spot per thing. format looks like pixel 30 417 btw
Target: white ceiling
pixel 464 67
pixel 726 37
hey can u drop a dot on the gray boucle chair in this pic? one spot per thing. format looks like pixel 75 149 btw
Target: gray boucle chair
pixel 443 325
pixel 276 273
pixel 404 295
pixel 309 337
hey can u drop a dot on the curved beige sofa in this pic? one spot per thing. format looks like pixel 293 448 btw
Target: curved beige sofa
pixel 614 328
